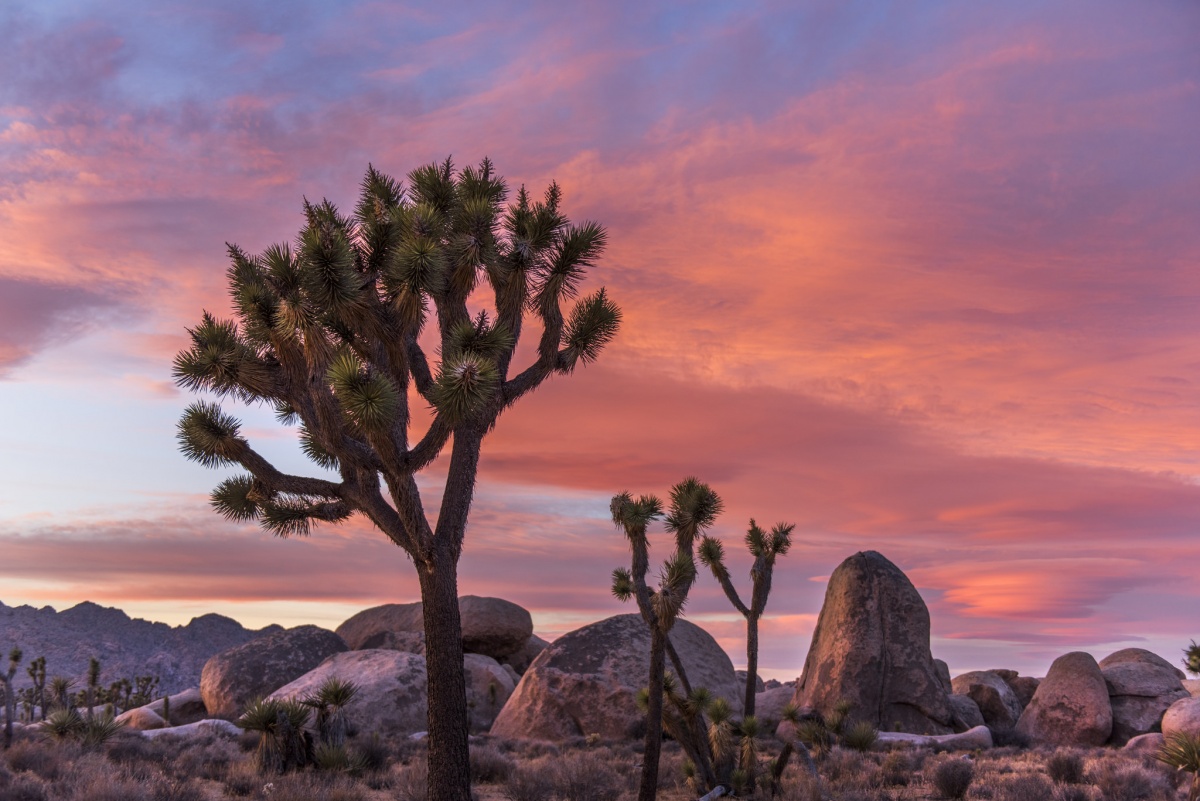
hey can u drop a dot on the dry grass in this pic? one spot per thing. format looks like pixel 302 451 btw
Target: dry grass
pixel 130 768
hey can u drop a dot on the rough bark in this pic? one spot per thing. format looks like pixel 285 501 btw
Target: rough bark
pixel 751 663
pixel 648 788
pixel 449 757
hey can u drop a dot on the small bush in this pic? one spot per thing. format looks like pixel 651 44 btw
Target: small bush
pixel 861 736
pixel 1065 767
pixel 528 783
pixel 37 757
pixel 802 787
pixel 584 776
pixel 1028 787
pixel 110 788
pixel 1118 780
pixel 166 788
pixel 488 765
pixel 896 770
pixel 953 777
pixel 373 754
pixel 411 781
pixel 26 787
pixel 1072 792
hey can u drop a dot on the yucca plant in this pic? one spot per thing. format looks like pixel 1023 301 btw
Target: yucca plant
pixel 330 701
pixel 93 682
pixel 98 730
pixel 63 723
pixel 60 692
pixel 794 744
pixel 330 758
pixel 860 736
pixel 37 674
pixel 282 745
pixel 1182 752
pixel 333 331
pixel 765 548
pixel 694 507
pixel 10 694
pixel 1191 658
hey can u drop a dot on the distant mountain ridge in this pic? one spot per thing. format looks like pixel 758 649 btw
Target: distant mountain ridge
pixel 126 647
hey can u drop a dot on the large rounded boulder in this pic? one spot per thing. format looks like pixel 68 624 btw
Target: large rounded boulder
pixel 1071 706
pixel 1141 687
pixel 992 694
pixel 1182 717
pixel 586 681
pixel 490 626
pixel 234 677
pixel 392 689
pixel 871 648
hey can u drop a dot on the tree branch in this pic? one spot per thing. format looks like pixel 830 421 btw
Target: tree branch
pixel 276 481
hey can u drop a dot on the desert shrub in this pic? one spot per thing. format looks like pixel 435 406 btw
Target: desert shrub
pixel 584 776
pixel 1072 792
pixel 1121 780
pixel 372 753
pixel 1009 738
pixel 850 770
pixel 109 788
pixel 1026 787
pixel 204 758
pixel 40 758
pixel 952 777
pixel 528 783
pixel 801 787
pixel 242 780
pixel 26 787
pixel 489 765
pixel 1065 766
pixel 128 750
pixel 167 788
pixel 861 736
pixel 411 782
pixel 896 769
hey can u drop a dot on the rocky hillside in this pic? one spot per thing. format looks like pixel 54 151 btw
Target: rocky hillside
pixel 126 647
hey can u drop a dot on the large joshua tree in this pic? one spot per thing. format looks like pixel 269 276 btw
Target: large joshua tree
pixel 329 332
pixel 764 547
pixel 694 507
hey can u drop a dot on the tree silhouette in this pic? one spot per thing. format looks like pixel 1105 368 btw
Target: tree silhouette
pixel 764 548
pixel 329 333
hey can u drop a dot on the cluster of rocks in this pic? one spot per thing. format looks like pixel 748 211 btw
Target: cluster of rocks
pixel 871 649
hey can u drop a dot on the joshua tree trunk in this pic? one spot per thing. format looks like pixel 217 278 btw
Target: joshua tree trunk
pixel 648 788
pixel 10 709
pixel 449 758
pixel 751 663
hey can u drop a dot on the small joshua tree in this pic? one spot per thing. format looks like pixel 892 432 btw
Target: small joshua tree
pixel 330 702
pixel 330 333
pixel 37 673
pixel 764 548
pixel 1191 658
pixel 694 507
pixel 10 694
pixel 282 745
pixel 93 682
pixel 60 692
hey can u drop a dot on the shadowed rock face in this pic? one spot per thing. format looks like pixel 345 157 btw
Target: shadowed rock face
pixel 586 681
pixel 1141 687
pixel 992 694
pixel 1071 705
pixel 233 678
pixel 491 626
pixel 871 648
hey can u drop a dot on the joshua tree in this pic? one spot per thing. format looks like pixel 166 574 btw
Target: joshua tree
pixel 282 745
pixel 330 701
pixel 1191 658
pixel 764 548
pixel 93 682
pixel 329 334
pixel 37 672
pixel 10 694
pixel 694 507
pixel 60 691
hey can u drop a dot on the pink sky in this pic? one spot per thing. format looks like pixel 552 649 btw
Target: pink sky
pixel 917 277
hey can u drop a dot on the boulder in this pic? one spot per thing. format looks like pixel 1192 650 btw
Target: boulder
pixel 1182 716
pixel 586 681
pixel 769 704
pixel 1139 656
pixel 1024 687
pixel 201 727
pixel 996 701
pixel 1140 691
pixel 141 718
pixel 391 698
pixel 966 714
pixel 771 684
pixel 943 674
pixel 970 740
pixel 186 707
pixel 871 648
pixel 490 626
pixel 1070 706
pixel 233 678
pixel 523 658
pixel 1192 686
pixel 758 682
pixel 1145 743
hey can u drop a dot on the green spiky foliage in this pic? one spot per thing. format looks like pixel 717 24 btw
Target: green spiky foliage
pixel 366 313
pixel 1181 751
pixel 63 724
pixel 765 547
pixel 10 693
pixel 1191 658
pixel 60 692
pixel 282 744
pixel 97 731
pixel 330 701
pixel 93 682
pixel 37 674
pixel 694 508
